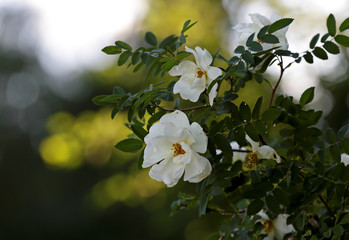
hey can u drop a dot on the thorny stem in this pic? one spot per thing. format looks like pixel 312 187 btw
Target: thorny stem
pixel 181 109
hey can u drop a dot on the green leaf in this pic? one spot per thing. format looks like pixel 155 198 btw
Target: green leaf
pixel 324 37
pixel 186 26
pixel 136 69
pixel 140 160
pixel 342 40
pixel 331 47
pixel 338 230
pixel 135 57
pixel 129 145
pixel 239 49
pixel 331 136
pixel 308 57
pixel 331 25
pixel 345 25
pixel 272 204
pixel 343 132
pixel 314 41
pixel 271 114
pixel 223 144
pixel 247 56
pixel 151 38
pixel 345 219
pixel 257 108
pixel 111 50
pixel 320 53
pixel 245 112
pixel 335 153
pixel 251 132
pixel 123 58
pixel 119 90
pixel 269 38
pixel 139 131
pixel 123 45
pixel 170 64
pixel 255 206
pixel 263 31
pixel 307 96
pixel 261 129
pixel 279 24
pixel 258 77
pixel 255 46
pixel 281 196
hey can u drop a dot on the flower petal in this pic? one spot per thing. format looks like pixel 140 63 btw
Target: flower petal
pixel 167 171
pixel 183 67
pixel 281 227
pixel 345 159
pixel 198 169
pixel 213 73
pixel 254 144
pixel 243 27
pixel 259 19
pixel 177 118
pixel 200 144
pixel 155 151
pixel 186 89
pixel 213 93
pixel 202 57
pixel 266 152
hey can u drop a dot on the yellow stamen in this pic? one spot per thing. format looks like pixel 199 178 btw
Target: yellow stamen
pixel 268 226
pixel 200 73
pixel 177 149
pixel 251 160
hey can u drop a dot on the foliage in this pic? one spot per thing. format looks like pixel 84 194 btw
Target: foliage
pixel 310 183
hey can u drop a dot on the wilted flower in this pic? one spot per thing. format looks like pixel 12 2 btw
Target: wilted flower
pixel 258 152
pixel 345 159
pixel 195 78
pixel 258 22
pixel 276 228
pixel 172 147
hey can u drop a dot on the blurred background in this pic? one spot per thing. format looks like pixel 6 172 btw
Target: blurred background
pixel 60 177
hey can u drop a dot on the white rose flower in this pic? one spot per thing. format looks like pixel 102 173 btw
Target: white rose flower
pixel 276 228
pixel 195 78
pixel 345 159
pixel 258 152
pixel 258 22
pixel 172 148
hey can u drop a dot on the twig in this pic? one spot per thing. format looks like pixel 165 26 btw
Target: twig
pixel 282 69
pixel 241 150
pixel 181 109
pixel 225 211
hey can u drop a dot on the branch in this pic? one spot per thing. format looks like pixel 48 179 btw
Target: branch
pixel 225 211
pixel 282 69
pixel 181 109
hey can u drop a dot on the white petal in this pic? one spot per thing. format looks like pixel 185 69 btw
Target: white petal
pixel 198 169
pixel 266 152
pixel 345 159
pixel 167 171
pixel 183 67
pixel 158 129
pixel 270 236
pixel 274 17
pixel 202 57
pixel 213 93
pixel 263 215
pixel 259 19
pixel 243 27
pixel 155 151
pixel 239 156
pixel 185 87
pixel 177 118
pixel 281 227
pixel 254 144
pixel 213 73
pixel 200 144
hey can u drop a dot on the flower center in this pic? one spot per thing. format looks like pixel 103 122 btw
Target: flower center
pixel 251 160
pixel 177 149
pixel 260 42
pixel 268 226
pixel 200 73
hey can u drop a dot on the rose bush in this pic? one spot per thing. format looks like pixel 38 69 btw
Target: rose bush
pixel 267 167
